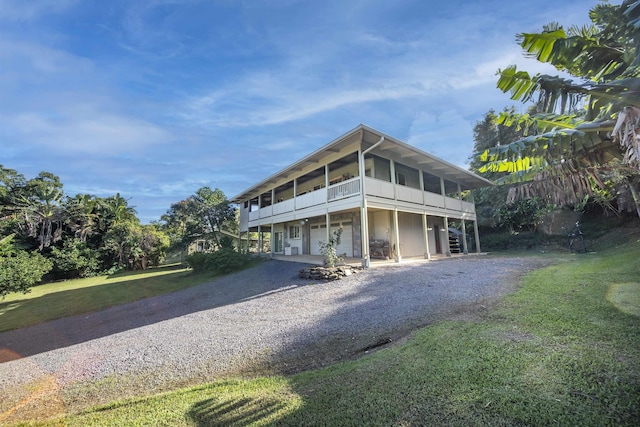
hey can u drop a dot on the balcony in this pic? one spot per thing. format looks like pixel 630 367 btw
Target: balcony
pixel 352 188
pixel 344 189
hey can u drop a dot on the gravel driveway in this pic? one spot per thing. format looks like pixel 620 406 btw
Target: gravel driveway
pixel 255 320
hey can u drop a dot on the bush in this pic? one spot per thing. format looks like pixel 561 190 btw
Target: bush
pixel 21 270
pixel 329 249
pixel 503 241
pixel 75 259
pixel 224 261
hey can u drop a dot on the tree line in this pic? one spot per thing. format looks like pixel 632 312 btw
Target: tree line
pixel 46 233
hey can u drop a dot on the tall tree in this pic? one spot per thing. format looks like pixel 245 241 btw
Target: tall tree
pixel 589 123
pixel 491 204
pixel 41 210
pixel 116 209
pixel 83 216
pixel 11 184
pixel 202 215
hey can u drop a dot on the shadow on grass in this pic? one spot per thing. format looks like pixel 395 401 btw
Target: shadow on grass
pixel 134 273
pixel 94 296
pixel 231 412
pixel 66 331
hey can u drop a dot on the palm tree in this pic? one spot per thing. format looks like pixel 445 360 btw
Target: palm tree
pixel 41 210
pixel 117 209
pixel 83 216
pixel 589 124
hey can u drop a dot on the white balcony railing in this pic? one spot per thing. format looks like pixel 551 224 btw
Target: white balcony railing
pixel 313 198
pixel 344 189
pixel 266 212
pixel 282 207
pixel 454 204
pixel 352 187
pixel 433 199
pixel 376 187
pixel 408 194
pixel 468 207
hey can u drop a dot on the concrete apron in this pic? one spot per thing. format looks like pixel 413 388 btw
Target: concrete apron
pixel 357 262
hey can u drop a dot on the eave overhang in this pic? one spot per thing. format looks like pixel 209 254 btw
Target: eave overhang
pixel 390 148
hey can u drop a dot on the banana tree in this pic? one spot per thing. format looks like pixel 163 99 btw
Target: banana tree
pixel 586 124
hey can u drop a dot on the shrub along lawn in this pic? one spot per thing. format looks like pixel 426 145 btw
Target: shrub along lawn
pixel 563 350
pixel 62 299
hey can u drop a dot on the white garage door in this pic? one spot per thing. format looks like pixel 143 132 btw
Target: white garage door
pixel 346 239
pixel 319 234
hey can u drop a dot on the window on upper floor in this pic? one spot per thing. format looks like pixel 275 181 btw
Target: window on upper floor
pixel 431 183
pixel 451 189
pixel 406 175
pixel 377 167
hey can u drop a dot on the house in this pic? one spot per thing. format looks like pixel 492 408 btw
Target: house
pixel 391 200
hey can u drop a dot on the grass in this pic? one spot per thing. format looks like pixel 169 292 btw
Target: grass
pixel 563 350
pixel 68 298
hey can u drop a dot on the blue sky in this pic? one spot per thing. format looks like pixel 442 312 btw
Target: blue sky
pixel 156 98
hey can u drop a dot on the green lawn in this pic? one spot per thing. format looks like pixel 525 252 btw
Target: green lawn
pixel 61 299
pixel 563 350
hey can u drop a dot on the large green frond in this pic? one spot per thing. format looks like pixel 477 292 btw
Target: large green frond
pixel 540 45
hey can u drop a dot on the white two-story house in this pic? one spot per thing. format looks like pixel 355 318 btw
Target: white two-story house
pixel 391 200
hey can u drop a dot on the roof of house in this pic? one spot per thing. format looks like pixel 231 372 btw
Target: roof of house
pixel 410 155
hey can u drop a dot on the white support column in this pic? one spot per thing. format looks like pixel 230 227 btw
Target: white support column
pixel 421 181
pixel 366 257
pixel 326 180
pixel 397 234
pixel 364 238
pixel 425 232
pixel 259 208
pixel 328 221
pixel 392 171
pixel 272 241
pixel 295 193
pixel 259 240
pixel 364 219
pixel 446 236
pixel 477 235
pixel 464 238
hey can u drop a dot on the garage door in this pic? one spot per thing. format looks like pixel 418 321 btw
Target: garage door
pixel 319 234
pixel 346 239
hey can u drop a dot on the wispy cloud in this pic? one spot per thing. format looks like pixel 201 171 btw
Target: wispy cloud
pixel 27 10
pixel 155 98
pixel 93 132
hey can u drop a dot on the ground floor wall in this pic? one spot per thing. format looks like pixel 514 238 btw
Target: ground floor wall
pixel 410 235
pixel 393 234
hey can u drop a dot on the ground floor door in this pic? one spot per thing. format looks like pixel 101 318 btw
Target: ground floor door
pixel 436 232
pixel 317 234
pixel 278 246
pixel 345 248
